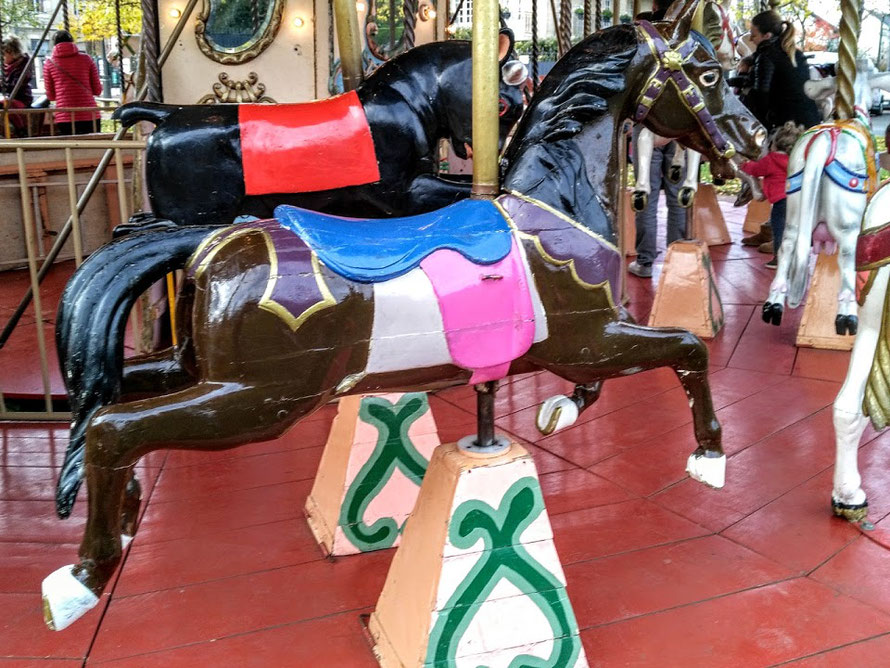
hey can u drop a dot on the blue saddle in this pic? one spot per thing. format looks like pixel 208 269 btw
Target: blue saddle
pixel 370 251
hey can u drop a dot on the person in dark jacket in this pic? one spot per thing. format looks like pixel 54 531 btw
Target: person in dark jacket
pixel 16 65
pixel 72 80
pixel 778 75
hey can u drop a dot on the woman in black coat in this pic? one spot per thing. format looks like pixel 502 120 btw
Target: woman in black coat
pixel 778 75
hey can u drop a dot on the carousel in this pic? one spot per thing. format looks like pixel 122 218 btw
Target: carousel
pixel 360 378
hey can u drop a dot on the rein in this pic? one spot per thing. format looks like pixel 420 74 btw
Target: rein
pixel 670 68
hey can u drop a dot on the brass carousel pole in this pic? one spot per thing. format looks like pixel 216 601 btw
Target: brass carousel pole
pixel 485 159
pixel 851 13
pixel 616 11
pixel 349 42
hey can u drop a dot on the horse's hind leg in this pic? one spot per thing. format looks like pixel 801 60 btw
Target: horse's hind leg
pixel 634 348
pixel 207 416
pixel 848 499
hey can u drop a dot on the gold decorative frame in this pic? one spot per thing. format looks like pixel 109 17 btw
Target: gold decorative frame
pixel 230 91
pixel 244 53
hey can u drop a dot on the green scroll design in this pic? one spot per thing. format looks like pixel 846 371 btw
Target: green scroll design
pixel 394 449
pixel 504 557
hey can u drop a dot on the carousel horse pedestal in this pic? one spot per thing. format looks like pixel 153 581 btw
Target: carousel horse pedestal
pixel 708 222
pixel 687 294
pixel 757 213
pixel 477 579
pixel 370 473
pixel 817 329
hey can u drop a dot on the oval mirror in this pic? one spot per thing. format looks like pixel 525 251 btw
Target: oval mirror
pixel 236 31
pixel 385 28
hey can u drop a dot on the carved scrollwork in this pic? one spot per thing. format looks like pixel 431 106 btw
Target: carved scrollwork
pixel 231 91
pixel 262 35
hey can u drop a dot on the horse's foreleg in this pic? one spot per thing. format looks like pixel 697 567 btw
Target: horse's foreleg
pixel 634 348
pixel 645 145
pixel 686 194
pixel 207 416
pixel 848 499
pixel 846 234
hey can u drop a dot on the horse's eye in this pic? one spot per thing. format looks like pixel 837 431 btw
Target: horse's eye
pixel 513 73
pixel 710 78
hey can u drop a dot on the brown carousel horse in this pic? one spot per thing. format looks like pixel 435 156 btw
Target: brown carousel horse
pixel 278 317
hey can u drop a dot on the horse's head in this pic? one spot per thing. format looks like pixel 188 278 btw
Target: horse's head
pixel 680 93
pixel 456 83
pixel 823 90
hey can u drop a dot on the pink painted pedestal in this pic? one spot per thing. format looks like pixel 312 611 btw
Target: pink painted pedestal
pixel 370 472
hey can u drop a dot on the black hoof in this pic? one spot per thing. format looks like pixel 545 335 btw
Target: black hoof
pixel 639 200
pixel 675 174
pixel 717 181
pixel 846 324
pixel 850 512
pixel 772 313
pixel 686 197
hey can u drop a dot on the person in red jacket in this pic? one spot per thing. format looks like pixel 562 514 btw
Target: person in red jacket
pixel 772 171
pixel 71 79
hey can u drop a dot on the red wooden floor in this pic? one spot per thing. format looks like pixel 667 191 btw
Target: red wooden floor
pixel 661 570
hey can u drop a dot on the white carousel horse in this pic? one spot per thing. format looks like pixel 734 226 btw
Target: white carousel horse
pixel 864 392
pixel 724 43
pixel 831 172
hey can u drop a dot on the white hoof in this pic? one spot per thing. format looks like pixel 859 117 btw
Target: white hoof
pixel 556 413
pixel 709 470
pixel 65 599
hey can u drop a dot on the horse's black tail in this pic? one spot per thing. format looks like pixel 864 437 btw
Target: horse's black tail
pixel 133 112
pixel 90 328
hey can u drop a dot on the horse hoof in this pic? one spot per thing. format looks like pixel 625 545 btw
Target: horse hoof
pixel 772 313
pixel 709 470
pixel 853 512
pixel 65 599
pixel 686 197
pixel 639 200
pixel 556 413
pixel 846 324
pixel 717 181
pixel 675 174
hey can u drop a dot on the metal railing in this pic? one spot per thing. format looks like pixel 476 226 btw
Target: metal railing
pixel 29 167
pixel 31 123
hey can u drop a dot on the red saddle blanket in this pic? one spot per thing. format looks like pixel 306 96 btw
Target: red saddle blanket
pixel 306 147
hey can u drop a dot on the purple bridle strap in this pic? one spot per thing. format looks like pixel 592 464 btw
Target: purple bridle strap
pixel 670 68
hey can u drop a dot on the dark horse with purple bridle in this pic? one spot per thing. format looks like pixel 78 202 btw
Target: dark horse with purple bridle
pixel 370 152
pixel 278 317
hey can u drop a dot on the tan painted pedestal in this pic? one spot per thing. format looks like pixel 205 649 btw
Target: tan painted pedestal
pixel 370 472
pixel 476 580
pixel 708 223
pixel 817 323
pixel 687 294
pixel 757 213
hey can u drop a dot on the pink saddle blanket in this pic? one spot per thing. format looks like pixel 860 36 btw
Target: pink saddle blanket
pixel 486 310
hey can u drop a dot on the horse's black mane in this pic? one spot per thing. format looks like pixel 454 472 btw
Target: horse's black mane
pixel 545 160
pixel 576 90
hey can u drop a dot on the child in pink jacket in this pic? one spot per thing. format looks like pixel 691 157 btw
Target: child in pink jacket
pixel 772 171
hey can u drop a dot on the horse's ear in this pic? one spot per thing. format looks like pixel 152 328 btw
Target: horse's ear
pixel 680 15
pixel 819 89
pixel 505 44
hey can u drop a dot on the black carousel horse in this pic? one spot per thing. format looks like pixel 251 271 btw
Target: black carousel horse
pixel 372 152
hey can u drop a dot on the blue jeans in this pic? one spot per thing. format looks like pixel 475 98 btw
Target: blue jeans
pixel 647 220
pixel 777 222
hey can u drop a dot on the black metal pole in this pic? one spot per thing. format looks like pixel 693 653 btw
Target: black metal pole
pixel 485 413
